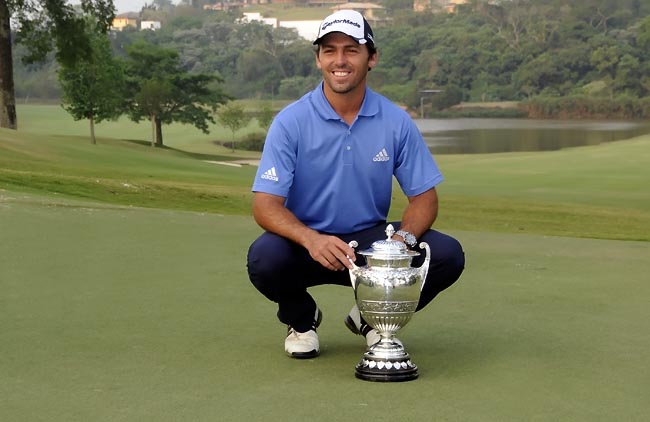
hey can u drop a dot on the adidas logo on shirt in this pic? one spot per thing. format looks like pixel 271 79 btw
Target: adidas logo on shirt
pixel 270 175
pixel 381 156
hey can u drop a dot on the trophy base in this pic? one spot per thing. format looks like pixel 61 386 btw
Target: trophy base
pixel 398 371
pixel 386 362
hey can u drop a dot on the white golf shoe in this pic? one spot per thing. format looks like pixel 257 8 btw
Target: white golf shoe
pixel 303 345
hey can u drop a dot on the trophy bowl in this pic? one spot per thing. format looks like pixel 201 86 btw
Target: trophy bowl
pixel 387 292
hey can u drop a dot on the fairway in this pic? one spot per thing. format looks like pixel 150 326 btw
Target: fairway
pixel 118 313
pixel 594 192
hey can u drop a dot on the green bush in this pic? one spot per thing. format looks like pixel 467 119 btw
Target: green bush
pixel 623 106
pixel 252 142
pixel 399 93
pixel 297 86
pixel 451 95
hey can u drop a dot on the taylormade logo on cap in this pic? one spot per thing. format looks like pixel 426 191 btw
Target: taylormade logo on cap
pixel 349 22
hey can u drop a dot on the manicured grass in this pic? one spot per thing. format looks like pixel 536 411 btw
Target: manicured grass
pixel 112 313
pixel 598 192
pixel 123 172
pixel 54 120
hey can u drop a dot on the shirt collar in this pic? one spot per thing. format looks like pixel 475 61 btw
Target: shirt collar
pixel 369 107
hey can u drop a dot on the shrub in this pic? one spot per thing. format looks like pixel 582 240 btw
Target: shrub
pixel 252 142
pixel 623 106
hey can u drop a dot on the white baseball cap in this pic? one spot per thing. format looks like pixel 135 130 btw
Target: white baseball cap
pixel 349 22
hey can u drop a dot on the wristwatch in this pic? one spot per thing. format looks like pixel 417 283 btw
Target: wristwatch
pixel 409 238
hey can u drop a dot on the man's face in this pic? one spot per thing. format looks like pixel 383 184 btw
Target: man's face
pixel 344 63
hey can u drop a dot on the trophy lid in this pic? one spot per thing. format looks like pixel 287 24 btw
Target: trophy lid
pixel 389 248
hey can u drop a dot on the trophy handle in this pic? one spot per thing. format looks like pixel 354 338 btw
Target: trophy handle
pixel 355 270
pixel 424 269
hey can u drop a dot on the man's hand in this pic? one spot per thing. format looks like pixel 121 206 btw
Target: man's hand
pixel 271 214
pixel 330 251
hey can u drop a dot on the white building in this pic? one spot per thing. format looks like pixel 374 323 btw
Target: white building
pixel 153 25
pixel 306 29
pixel 257 17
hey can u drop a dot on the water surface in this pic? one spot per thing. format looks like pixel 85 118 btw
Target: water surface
pixel 481 136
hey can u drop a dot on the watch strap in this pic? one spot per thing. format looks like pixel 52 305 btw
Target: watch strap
pixel 409 238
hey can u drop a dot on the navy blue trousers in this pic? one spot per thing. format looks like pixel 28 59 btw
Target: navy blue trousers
pixel 283 270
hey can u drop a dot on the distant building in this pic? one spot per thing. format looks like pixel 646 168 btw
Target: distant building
pixel 448 6
pixel 225 5
pixel 368 10
pixel 451 6
pixel 257 17
pixel 125 20
pixel 306 29
pixel 152 25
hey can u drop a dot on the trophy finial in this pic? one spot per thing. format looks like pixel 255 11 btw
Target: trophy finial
pixel 390 231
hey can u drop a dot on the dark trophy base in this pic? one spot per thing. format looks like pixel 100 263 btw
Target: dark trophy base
pixel 386 362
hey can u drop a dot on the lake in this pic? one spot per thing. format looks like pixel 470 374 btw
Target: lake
pixel 481 136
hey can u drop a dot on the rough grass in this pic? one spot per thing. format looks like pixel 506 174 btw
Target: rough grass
pixel 123 172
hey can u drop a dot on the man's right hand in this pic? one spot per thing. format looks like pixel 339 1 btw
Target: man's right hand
pixel 271 214
pixel 330 251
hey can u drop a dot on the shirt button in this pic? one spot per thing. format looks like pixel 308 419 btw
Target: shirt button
pixel 348 147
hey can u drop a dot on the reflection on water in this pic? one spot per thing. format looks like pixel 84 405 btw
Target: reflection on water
pixel 480 136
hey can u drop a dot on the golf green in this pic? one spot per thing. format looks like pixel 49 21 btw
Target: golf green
pixel 112 313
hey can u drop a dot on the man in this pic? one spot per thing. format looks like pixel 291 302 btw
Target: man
pixel 325 178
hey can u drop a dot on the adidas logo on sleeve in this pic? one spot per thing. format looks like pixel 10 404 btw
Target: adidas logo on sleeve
pixel 381 156
pixel 270 175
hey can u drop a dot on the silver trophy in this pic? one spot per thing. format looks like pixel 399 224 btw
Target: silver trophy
pixel 387 292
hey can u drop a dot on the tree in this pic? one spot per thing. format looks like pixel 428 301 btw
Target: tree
pixel 643 35
pixel 158 89
pixel 265 117
pixel 232 116
pixel 629 75
pixel 44 26
pixel 92 87
pixel 151 98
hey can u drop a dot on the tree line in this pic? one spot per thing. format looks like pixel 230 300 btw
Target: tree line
pixel 595 51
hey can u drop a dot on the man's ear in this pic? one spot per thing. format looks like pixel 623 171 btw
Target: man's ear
pixel 372 61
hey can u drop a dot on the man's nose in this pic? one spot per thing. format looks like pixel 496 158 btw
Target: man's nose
pixel 340 57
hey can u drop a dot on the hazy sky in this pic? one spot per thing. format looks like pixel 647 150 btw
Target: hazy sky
pixel 130 5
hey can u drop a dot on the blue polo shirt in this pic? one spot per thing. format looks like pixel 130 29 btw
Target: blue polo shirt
pixel 338 178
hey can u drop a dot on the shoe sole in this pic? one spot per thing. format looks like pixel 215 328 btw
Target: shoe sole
pixel 305 355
